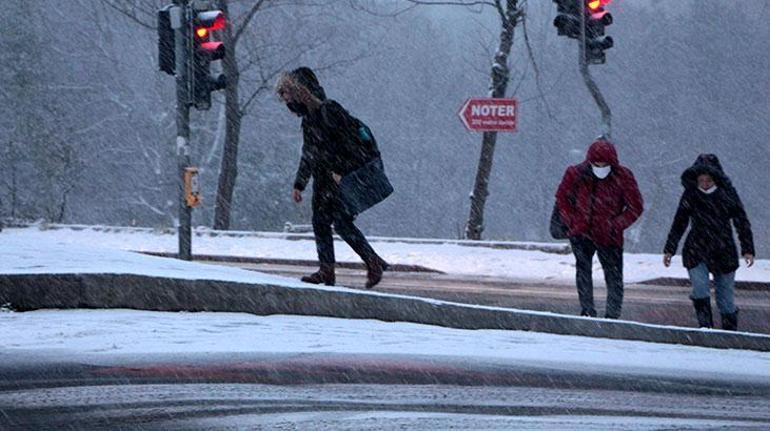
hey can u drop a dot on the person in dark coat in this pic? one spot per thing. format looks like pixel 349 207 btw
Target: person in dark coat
pixel 327 155
pixel 597 200
pixel 708 204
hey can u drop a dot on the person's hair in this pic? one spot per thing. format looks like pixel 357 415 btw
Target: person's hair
pixel 285 81
pixel 305 77
pixel 300 77
pixel 289 81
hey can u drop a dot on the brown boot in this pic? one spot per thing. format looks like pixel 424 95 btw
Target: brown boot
pixel 324 275
pixel 374 270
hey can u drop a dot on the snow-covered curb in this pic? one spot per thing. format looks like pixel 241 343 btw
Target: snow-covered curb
pixel 141 332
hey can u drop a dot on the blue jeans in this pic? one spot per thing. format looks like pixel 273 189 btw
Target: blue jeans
pixel 725 287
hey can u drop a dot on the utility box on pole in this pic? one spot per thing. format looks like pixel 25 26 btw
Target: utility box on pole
pixel 192 187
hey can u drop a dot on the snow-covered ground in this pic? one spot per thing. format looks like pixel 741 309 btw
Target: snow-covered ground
pixel 32 251
pixel 450 258
pixel 136 333
pixel 104 335
pixel 25 251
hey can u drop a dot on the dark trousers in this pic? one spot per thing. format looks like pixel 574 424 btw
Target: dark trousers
pixel 331 213
pixel 611 259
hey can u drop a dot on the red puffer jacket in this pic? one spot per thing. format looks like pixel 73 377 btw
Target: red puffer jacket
pixel 600 209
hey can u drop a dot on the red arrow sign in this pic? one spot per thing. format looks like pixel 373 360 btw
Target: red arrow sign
pixel 489 114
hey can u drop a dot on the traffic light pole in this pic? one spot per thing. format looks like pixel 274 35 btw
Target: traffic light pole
pixel 181 50
pixel 589 80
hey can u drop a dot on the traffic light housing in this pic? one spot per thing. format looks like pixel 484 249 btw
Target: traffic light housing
pixel 166 54
pixel 567 21
pixel 596 42
pixel 204 51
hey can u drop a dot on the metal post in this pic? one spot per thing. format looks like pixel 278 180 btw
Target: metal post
pixel 589 80
pixel 183 127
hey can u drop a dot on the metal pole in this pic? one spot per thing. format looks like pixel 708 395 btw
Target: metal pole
pixel 589 80
pixel 183 127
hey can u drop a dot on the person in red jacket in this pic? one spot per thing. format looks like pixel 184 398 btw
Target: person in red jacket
pixel 597 200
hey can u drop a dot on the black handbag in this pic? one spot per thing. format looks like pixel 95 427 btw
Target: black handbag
pixel 365 187
pixel 559 229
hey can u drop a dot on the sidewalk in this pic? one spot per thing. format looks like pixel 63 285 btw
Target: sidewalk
pixel 48 273
pixel 449 256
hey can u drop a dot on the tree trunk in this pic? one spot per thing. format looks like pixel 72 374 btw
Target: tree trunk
pixel 229 167
pixel 499 84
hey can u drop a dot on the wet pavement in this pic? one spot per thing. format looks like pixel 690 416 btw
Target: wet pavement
pixel 280 392
pixel 646 303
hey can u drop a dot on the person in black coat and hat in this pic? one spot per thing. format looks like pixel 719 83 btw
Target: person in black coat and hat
pixel 327 156
pixel 709 203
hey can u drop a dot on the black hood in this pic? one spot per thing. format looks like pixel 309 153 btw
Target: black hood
pixel 305 77
pixel 705 164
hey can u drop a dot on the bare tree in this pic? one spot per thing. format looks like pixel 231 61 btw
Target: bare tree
pixel 234 111
pixel 41 156
pixel 510 13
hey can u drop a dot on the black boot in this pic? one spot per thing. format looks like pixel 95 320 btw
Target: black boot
pixel 703 312
pixel 374 269
pixel 324 275
pixel 730 321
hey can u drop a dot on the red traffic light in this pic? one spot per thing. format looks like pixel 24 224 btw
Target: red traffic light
pixel 208 21
pixel 596 5
pixel 215 50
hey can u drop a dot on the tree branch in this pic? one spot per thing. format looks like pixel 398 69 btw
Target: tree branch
pixel 131 14
pixel 531 56
pixel 453 3
pixel 357 7
pixel 246 20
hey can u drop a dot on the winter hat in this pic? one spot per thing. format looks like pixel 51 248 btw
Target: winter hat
pixel 602 151
pixel 305 77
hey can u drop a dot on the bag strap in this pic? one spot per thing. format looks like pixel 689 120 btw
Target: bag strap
pixel 345 132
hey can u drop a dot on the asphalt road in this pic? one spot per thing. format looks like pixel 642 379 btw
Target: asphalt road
pixel 666 305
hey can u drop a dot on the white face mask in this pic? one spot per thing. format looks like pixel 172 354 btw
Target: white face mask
pixel 710 190
pixel 602 172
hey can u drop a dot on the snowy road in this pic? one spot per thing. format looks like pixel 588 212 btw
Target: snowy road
pixel 198 407
pixel 98 369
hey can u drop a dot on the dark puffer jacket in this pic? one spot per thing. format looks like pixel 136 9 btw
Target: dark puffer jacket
pixel 332 143
pixel 710 240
